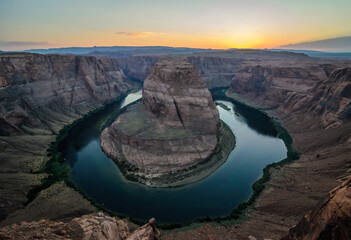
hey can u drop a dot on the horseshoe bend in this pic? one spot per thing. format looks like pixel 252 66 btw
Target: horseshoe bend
pixel 190 120
pixel 165 115
pixel 174 128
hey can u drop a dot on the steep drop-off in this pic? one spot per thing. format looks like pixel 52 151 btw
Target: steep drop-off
pixel 216 68
pixel 40 94
pixel 332 99
pixel 42 84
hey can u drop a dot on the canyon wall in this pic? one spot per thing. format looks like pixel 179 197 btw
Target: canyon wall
pixel 307 87
pixel 36 87
pixel 330 219
pixel 311 100
pixel 215 71
pixel 39 95
pixel 216 68
pixel 332 99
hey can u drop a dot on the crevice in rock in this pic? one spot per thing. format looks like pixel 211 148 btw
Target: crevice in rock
pixel 178 113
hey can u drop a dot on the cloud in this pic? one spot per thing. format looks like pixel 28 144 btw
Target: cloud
pixel 339 44
pixel 136 34
pixel 21 43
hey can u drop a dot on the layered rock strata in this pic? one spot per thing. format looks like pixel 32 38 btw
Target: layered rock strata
pixel 39 95
pixel 216 68
pixel 332 100
pixel 87 227
pixel 175 127
pixel 316 118
pixel 38 89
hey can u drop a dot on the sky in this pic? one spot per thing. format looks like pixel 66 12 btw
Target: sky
pixel 218 24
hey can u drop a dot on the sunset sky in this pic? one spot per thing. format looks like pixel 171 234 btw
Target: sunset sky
pixel 222 24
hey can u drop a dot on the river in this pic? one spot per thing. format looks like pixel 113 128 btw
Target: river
pixel 216 195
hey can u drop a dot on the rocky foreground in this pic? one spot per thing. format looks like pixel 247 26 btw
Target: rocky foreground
pixel 175 127
pixel 87 227
pixel 330 219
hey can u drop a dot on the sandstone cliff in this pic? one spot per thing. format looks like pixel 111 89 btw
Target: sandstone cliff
pixel 323 88
pixel 268 77
pixel 330 219
pixel 216 68
pixel 332 99
pixel 176 93
pixel 175 127
pixel 41 84
pixel 138 67
pixel 87 227
pixel 216 71
pixel 314 111
pixel 39 95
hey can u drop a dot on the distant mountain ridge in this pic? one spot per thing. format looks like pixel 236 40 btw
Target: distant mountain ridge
pixel 128 51
pixel 142 49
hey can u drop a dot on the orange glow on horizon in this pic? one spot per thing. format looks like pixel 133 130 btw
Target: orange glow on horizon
pixel 165 39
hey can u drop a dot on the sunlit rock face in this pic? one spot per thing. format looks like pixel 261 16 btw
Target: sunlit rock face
pixel 173 128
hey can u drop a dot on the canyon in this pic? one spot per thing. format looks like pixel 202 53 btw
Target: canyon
pixel 310 97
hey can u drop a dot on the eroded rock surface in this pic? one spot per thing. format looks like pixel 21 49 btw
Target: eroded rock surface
pixel 175 92
pixel 332 98
pixel 298 102
pixel 175 126
pixel 39 95
pixel 35 88
pixel 216 68
pixel 330 219
pixel 87 227
pixel 275 77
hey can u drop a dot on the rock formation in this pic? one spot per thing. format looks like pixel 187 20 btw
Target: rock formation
pixel 39 95
pixel 322 89
pixel 175 92
pixel 216 68
pixel 146 232
pixel 268 77
pixel 175 127
pixel 45 84
pixel 36 92
pixel 87 227
pixel 332 99
pixel 330 219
